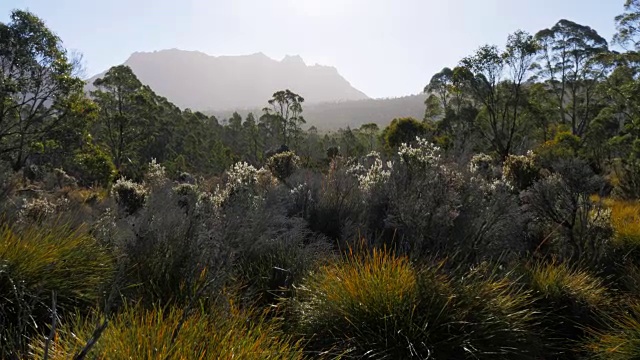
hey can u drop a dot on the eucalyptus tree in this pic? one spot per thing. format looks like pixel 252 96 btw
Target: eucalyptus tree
pixel 39 90
pixel 284 115
pixel 570 65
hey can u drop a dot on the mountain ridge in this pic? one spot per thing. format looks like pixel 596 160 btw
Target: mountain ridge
pixel 196 80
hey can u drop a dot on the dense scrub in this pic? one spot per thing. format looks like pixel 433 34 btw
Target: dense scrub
pixel 505 225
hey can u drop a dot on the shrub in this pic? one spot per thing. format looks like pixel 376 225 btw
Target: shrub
pixel 371 172
pixel 155 176
pixel 129 195
pixel 628 178
pixel 403 130
pixel 562 202
pixel 93 166
pixel 36 262
pixel 379 306
pixel 482 165
pixel 165 250
pixel 424 199
pixel 521 171
pixel 271 250
pixel 171 333
pixel 282 165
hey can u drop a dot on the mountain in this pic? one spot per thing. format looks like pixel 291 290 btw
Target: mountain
pixel 331 116
pixel 192 79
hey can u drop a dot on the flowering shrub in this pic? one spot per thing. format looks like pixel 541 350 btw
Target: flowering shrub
pixel 424 153
pixel 372 175
pixel 482 165
pixel 35 210
pixel 129 195
pixel 155 175
pixel 283 164
pixel 521 170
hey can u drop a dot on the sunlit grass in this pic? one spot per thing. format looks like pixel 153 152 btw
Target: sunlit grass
pixel 625 219
pixel 621 341
pixel 137 333
pixel 568 300
pixel 378 305
pixel 39 261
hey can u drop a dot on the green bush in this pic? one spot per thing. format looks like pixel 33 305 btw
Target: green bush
pixel 37 262
pixel 93 166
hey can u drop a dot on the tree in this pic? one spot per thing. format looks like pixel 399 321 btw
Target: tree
pixel 124 113
pixel 570 66
pixel 371 131
pixel 252 137
pixel 403 130
pixel 39 91
pixel 500 100
pixel 441 85
pixel 628 25
pixel 234 134
pixel 285 114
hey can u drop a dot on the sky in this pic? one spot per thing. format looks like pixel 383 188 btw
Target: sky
pixel 385 48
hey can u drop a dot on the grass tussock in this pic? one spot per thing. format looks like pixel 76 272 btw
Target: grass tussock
pixel 37 262
pixel 380 306
pixel 137 333
pixel 569 300
pixel 625 219
pixel 621 341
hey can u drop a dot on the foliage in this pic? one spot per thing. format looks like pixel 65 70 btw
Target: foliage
pixel 625 220
pixel 38 65
pixel 93 166
pixel 403 130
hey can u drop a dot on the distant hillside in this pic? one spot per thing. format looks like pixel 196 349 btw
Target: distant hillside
pixel 331 116
pixel 195 80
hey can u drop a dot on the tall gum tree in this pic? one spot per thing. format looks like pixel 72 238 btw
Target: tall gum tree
pixel 39 91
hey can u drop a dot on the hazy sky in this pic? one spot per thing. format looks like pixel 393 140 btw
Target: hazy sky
pixel 386 48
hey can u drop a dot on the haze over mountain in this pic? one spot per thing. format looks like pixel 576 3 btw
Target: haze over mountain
pixel 192 79
pixel 335 115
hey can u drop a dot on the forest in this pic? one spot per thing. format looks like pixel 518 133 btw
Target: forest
pixel 504 224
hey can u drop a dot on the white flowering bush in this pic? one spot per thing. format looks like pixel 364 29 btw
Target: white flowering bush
pixel 243 178
pixel 129 195
pixel 156 174
pixel 283 164
pixel 521 170
pixel 36 210
pixel 372 173
pixel 424 153
pixel 481 165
